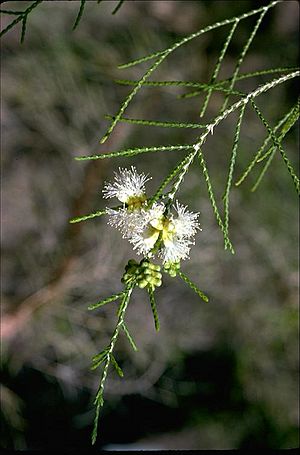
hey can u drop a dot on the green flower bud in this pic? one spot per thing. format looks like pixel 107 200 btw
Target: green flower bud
pixel 142 284
pixel 132 262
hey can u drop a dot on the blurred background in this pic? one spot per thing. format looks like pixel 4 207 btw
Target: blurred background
pixel 218 375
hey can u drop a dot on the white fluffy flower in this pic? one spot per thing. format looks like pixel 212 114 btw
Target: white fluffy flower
pixel 128 186
pixel 186 223
pixel 148 228
pixel 151 230
pixel 173 234
pixel 127 222
pixel 175 250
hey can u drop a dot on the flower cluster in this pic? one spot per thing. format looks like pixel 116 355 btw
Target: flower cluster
pixel 151 229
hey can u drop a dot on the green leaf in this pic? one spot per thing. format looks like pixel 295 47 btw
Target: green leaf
pixel 188 38
pixel 230 173
pixel 135 151
pixel 213 201
pixel 218 65
pixel 112 298
pixel 193 286
pixel 243 54
pixel 99 358
pixel 80 13
pixel 118 7
pixel 158 123
pixel 129 337
pixel 116 366
pixel 154 309
pixel 279 146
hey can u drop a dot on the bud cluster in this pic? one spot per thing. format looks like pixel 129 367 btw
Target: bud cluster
pixel 172 268
pixel 144 274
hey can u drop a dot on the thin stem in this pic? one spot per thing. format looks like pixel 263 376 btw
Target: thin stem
pixel 157 123
pixel 154 309
pixel 193 286
pixel 218 65
pixel 22 15
pixel 175 171
pixel 251 95
pixel 213 201
pixel 13 12
pixel 78 219
pixel 80 13
pixel 256 158
pixel 203 86
pixel 118 7
pixel 112 298
pixel 195 35
pixel 264 170
pixel 99 396
pixel 288 124
pixel 183 170
pixel 209 129
pixel 129 337
pixel 206 87
pixel 130 97
pixel 23 31
pixel 159 60
pixel 135 151
pixel 243 53
pixel 230 174
pixel 279 146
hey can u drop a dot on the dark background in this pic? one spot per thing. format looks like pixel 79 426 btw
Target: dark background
pixel 218 375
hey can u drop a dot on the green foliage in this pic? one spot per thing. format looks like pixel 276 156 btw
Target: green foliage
pixel 80 13
pixel 23 16
pixel 112 298
pixel 278 145
pixel 193 286
pixel 118 6
pixel 146 274
pixel 154 309
pixel 230 173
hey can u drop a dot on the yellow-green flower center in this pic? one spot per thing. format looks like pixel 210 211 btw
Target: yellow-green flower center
pixel 160 228
pixel 135 202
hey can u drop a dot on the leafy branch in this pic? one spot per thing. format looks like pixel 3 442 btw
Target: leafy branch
pixel 161 56
pixel 107 357
pixel 23 16
pixel 135 275
pixel 286 122
pixel 146 274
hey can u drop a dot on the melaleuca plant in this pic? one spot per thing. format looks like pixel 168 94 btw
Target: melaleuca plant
pixel 160 229
pixel 162 232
